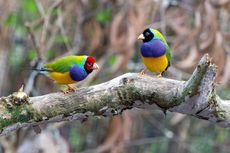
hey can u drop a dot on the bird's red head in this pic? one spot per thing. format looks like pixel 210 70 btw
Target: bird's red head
pixel 90 64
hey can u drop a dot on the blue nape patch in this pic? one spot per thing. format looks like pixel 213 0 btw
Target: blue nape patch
pixel 77 73
pixel 154 48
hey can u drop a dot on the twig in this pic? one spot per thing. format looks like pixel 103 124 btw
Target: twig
pixel 63 32
pixel 34 40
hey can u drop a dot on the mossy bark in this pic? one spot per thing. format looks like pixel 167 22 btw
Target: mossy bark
pixel 195 97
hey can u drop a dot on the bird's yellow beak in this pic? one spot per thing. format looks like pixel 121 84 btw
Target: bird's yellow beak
pixel 95 66
pixel 141 37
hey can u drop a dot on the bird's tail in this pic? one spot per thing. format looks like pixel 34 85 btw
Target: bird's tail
pixel 42 70
pixel 38 67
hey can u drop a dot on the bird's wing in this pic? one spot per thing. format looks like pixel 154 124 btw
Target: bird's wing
pixel 64 64
pixel 168 50
pixel 158 35
pixel 168 54
pixel 155 48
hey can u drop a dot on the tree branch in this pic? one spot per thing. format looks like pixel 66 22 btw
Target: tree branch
pixel 196 97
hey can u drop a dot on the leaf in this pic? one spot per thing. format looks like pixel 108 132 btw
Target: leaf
pixel 74 139
pixel 32 54
pixel 11 19
pixel 61 39
pixel 49 54
pixel 29 9
pixel 104 15
pixel 16 56
pixel 29 6
pixel 112 59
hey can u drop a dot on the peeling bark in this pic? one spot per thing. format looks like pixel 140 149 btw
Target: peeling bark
pixel 196 97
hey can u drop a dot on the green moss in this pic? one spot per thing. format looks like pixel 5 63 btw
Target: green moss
pixel 105 100
pixel 4 122
pixel 97 105
pixel 18 114
pixel 219 114
pixel 176 101
pixel 153 98
pixel 192 88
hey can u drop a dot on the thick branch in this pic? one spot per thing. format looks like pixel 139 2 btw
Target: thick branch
pixel 195 97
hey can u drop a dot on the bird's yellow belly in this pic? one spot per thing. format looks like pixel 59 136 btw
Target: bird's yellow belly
pixel 61 78
pixel 156 64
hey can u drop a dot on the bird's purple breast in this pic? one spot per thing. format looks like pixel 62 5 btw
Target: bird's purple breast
pixel 155 48
pixel 77 73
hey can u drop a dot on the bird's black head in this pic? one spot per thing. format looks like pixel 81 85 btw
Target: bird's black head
pixel 147 35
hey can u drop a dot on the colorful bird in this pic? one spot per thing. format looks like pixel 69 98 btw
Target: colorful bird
pixel 155 52
pixel 69 70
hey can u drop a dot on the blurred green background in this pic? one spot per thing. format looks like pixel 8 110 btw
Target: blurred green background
pixel 37 31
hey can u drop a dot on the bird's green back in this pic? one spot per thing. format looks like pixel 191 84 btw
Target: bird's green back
pixel 64 64
pixel 158 35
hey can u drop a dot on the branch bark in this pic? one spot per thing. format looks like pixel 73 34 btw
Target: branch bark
pixel 196 97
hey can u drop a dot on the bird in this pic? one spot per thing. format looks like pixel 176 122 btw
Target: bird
pixel 155 51
pixel 69 69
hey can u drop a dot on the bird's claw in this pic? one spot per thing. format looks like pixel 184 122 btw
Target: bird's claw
pixel 65 91
pixel 159 76
pixel 69 89
pixel 142 72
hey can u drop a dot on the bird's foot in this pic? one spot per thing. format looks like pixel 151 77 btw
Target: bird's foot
pixel 159 76
pixel 69 89
pixel 65 91
pixel 142 72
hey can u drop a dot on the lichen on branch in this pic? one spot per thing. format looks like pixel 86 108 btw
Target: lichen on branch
pixel 196 97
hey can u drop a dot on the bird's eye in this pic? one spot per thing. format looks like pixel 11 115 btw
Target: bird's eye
pixel 147 34
pixel 90 64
